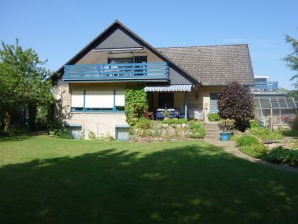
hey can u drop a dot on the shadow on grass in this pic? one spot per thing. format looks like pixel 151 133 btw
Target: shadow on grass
pixel 21 137
pixel 176 185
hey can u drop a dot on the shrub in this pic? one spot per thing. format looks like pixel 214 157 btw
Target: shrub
pixel 175 121
pixel 55 124
pixel 106 138
pixel 250 146
pixel 294 123
pixel 296 144
pixel 291 133
pixel 247 140
pixel 59 132
pixel 235 102
pixel 92 135
pixel 254 123
pixel 282 155
pixel 256 150
pixel 144 123
pixel 56 129
pixel 213 117
pixel 265 133
pixel 197 130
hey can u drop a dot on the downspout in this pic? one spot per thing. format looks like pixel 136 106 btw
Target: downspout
pixel 185 105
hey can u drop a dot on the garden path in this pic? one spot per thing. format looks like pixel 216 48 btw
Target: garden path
pixel 230 147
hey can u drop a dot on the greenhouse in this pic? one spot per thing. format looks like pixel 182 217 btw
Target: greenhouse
pixel 275 110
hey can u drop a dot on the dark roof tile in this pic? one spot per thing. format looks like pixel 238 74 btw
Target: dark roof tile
pixel 213 65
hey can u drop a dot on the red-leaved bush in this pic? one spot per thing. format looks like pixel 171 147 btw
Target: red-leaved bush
pixel 235 102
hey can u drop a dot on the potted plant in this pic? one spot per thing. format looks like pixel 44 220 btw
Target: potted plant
pixel 225 125
pixel 166 114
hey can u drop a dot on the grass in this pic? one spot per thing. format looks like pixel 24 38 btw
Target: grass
pixel 49 180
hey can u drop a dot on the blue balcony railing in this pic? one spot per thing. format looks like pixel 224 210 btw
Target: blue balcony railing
pixel 153 71
pixel 266 86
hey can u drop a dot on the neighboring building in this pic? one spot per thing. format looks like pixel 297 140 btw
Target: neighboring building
pixel 273 108
pixel 91 85
pixel 263 84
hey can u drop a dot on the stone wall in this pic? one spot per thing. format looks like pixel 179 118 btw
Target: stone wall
pixel 160 130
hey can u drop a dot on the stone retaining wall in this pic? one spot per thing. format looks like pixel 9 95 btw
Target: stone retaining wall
pixel 162 131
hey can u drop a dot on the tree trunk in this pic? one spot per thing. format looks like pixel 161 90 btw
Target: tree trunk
pixel 7 120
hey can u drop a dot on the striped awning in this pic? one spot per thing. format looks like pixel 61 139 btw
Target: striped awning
pixel 170 88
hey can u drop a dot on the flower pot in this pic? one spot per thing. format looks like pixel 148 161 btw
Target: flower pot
pixel 223 136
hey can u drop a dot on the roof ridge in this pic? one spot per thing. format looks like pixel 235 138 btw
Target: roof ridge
pixel 193 46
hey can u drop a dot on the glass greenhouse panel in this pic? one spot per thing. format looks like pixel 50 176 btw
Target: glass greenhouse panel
pixel 282 102
pixel 265 103
pixel 274 103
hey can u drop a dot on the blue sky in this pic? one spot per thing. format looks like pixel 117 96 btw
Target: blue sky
pixel 58 29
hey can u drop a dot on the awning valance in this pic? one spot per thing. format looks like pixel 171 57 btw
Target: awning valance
pixel 169 88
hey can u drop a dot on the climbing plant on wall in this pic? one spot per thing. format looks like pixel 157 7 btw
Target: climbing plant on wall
pixel 135 104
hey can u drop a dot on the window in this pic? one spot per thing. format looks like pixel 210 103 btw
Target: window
pixel 99 99
pixel 77 100
pixel 136 59
pixel 140 59
pixel 119 100
pixel 108 100
pixel 213 102
pixel 120 60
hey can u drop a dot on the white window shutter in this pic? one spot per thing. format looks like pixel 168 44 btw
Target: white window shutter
pixel 99 99
pixel 77 98
pixel 120 98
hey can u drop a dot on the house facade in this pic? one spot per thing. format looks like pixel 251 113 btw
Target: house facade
pixel 91 86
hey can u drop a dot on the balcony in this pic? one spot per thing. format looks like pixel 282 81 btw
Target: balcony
pixel 140 72
pixel 265 87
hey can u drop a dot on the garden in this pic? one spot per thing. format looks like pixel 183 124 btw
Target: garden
pixel 235 118
pixel 271 146
pixel 55 180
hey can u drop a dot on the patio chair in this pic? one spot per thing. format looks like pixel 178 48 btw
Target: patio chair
pixel 159 115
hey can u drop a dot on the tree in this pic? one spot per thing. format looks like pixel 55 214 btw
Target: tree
pixel 10 92
pixel 235 102
pixel 292 60
pixel 24 82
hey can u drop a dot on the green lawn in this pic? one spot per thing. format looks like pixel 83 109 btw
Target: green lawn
pixel 47 180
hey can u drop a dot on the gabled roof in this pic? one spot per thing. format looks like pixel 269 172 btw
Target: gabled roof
pixel 213 65
pixel 208 65
pixel 101 37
